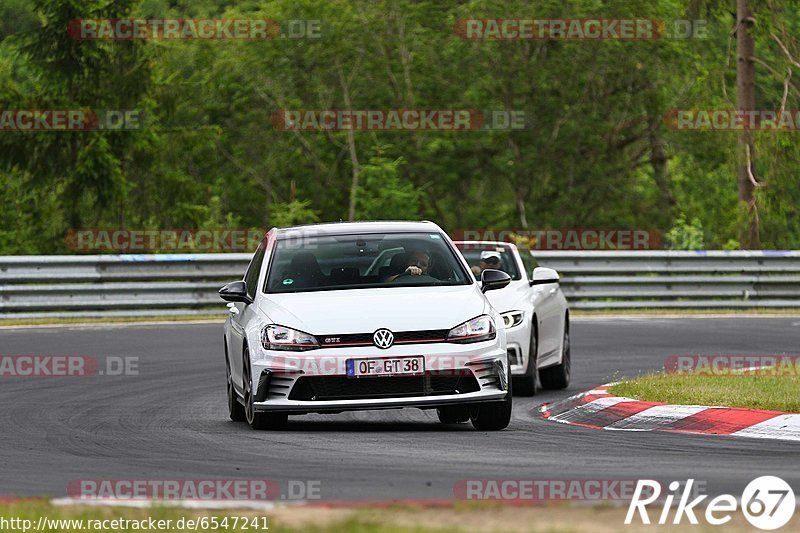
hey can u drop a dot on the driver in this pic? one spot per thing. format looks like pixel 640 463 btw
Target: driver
pixel 416 265
pixel 489 259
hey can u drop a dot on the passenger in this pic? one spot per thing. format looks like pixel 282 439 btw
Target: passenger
pixel 304 271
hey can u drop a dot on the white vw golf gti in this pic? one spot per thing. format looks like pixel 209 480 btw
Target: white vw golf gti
pixel 365 315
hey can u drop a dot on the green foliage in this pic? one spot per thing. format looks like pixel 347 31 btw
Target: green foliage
pixel 293 213
pixel 384 195
pixel 28 217
pixel 595 150
pixel 684 235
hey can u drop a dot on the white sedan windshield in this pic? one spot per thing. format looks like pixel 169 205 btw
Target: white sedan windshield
pixel 360 261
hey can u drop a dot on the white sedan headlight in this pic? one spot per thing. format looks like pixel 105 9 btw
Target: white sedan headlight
pixel 275 337
pixel 478 329
pixel 512 318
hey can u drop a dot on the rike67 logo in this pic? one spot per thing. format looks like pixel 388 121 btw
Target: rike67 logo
pixel 767 502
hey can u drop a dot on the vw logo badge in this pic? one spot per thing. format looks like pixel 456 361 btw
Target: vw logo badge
pixel 383 338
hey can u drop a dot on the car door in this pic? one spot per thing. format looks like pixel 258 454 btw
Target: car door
pixel 241 313
pixel 548 311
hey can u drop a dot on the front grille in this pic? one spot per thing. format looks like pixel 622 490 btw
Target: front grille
pixel 319 388
pixel 365 339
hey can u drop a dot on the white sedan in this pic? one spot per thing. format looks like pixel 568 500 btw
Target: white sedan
pixel 534 311
pixel 365 315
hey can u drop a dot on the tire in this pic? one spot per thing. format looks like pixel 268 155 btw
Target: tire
pixel 264 421
pixel 492 416
pixel 557 377
pixel 453 414
pixel 235 409
pixel 259 421
pixel 528 384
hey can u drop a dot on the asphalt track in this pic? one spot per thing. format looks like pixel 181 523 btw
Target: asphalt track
pixel 170 421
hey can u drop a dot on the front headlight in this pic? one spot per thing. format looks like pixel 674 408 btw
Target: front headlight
pixel 275 337
pixel 512 318
pixel 478 329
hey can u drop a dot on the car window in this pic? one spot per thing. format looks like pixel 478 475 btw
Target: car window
pixel 383 260
pixel 480 256
pixel 251 276
pixel 364 261
pixel 528 261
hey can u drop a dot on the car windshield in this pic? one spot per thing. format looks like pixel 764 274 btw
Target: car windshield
pixel 483 256
pixel 335 262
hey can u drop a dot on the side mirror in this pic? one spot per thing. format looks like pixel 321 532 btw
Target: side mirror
pixel 235 291
pixel 543 275
pixel 492 279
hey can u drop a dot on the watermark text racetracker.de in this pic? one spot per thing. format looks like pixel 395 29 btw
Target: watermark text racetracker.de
pixel 310 120
pixel 70 120
pixel 570 29
pixel 336 365
pixel 194 489
pixel 568 239
pixel 541 490
pixel 766 120
pixel 210 29
pixel 773 365
pixel 132 240
pixel 49 366
pixel 120 240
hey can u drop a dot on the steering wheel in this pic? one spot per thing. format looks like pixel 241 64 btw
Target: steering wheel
pixel 421 277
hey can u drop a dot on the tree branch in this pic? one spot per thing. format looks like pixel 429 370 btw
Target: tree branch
pixel 785 90
pixel 792 60
pixel 773 71
pixel 755 183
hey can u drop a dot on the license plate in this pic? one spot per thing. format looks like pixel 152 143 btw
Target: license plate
pixel 390 366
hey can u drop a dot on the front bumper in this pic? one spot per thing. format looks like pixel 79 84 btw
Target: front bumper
pixel 422 402
pixel 518 339
pixel 481 369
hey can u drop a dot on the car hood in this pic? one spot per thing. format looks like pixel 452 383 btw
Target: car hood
pixel 365 310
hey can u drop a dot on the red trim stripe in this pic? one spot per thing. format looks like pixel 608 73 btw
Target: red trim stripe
pixel 707 420
pixel 552 409
pixel 721 421
pixel 619 411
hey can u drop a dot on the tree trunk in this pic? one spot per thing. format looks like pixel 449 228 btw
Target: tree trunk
pixel 745 101
pixel 351 146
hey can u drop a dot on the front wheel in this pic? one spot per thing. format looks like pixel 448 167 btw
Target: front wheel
pixel 557 377
pixel 453 414
pixel 235 409
pixel 492 416
pixel 528 383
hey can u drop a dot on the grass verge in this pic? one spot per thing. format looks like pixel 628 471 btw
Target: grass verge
pixel 772 392
pixel 732 312
pixel 461 517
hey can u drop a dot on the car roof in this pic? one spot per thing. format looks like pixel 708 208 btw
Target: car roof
pixel 487 243
pixel 355 228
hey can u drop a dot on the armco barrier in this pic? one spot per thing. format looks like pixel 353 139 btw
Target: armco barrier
pixel 128 285
pixel 677 279
pixel 116 285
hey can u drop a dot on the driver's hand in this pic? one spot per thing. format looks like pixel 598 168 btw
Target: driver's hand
pixel 414 271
